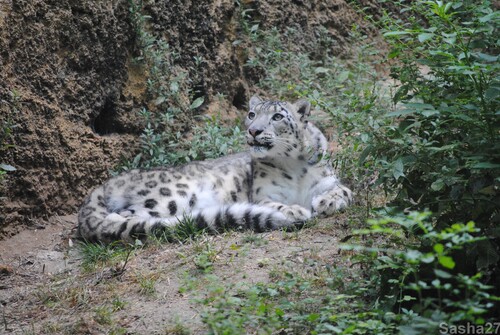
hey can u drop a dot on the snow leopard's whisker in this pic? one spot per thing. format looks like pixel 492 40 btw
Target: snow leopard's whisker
pixel 284 143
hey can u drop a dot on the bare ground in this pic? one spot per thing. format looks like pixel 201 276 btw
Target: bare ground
pixel 44 289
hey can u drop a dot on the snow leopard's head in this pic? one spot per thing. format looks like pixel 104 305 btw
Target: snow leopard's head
pixel 276 128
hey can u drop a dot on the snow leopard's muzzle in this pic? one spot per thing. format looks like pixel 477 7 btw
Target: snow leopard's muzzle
pixel 259 142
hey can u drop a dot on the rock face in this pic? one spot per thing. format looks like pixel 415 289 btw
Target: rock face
pixel 70 93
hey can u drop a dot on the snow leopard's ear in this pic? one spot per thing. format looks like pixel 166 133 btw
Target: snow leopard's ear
pixel 303 107
pixel 254 101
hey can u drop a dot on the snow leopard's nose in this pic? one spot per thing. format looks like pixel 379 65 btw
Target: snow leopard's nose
pixel 255 132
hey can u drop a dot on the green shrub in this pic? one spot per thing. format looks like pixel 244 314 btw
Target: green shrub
pixel 213 139
pixel 441 148
pixel 445 140
pixel 417 273
pixel 161 147
pixel 328 300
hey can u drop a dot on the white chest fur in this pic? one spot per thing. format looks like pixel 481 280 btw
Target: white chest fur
pixel 290 181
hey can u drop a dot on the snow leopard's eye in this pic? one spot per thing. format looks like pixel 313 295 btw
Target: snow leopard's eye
pixel 251 115
pixel 277 117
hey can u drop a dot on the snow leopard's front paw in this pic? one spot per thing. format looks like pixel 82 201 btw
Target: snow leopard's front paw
pixel 296 213
pixel 293 213
pixel 332 201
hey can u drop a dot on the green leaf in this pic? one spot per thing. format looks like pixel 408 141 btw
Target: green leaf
pixel 492 93
pixel 197 103
pixel 279 312
pixel 486 57
pixel 419 106
pixel 447 7
pixel 485 165
pixel 436 283
pixel 313 317
pixel 343 76
pixel 437 185
pixel 489 17
pixel 400 112
pixel 159 101
pixel 442 274
pixel 446 261
pixel 413 256
pixel 136 160
pixel 174 86
pixel 488 190
pixel 7 167
pixel 334 329
pixel 428 258
pixel 428 113
pixel 396 33
pixel 439 248
pixel 408 298
pixel 319 70
pixel 425 37
pixel 365 154
pixel 398 169
pixel 450 38
pixel 254 28
pixel 394 53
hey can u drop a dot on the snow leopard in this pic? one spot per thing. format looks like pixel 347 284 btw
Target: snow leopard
pixel 284 179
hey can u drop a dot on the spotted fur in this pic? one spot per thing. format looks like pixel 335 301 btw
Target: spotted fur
pixel 282 181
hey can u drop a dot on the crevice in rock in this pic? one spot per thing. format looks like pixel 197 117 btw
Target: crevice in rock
pixel 105 122
pixel 240 98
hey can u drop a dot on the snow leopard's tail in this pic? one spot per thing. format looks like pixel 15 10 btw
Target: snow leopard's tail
pixel 97 224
